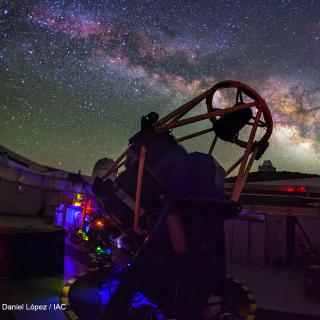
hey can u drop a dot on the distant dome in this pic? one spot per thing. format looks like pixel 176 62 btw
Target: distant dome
pixel 267 166
pixel 101 166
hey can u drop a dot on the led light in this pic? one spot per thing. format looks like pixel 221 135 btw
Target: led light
pixel 302 189
pixel 99 223
pixel 99 250
pixel 295 189
pixel 89 206
pixel 85 237
pixel 59 218
pixel 118 243
pixel 290 189
pixel 79 197
pixel 108 251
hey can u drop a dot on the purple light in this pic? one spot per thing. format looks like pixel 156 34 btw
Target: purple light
pixel 60 207
pixel 138 301
pixel 118 243
pixel 59 219
pixel 74 216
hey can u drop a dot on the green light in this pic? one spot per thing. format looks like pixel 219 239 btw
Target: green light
pixel 79 196
pixel 99 250
pixel 83 235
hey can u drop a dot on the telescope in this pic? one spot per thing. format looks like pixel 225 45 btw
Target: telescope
pixel 139 183
pixel 136 196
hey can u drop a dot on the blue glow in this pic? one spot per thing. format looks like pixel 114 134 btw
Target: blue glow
pixel 107 290
pixel 108 251
pixel 118 243
pixel 59 218
pixel 60 207
pixel 74 216
pixel 139 300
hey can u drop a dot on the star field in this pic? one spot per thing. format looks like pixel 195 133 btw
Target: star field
pixel 76 76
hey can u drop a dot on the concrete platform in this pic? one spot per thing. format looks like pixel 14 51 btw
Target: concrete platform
pixel 277 289
pixel 279 292
pixel 40 291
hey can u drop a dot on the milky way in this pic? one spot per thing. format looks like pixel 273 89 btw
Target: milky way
pixel 76 76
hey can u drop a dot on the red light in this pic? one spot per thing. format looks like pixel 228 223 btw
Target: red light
pixel 89 206
pixel 290 189
pixel 99 223
pixel 302 189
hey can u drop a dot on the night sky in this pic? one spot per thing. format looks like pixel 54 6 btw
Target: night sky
pixel 76 76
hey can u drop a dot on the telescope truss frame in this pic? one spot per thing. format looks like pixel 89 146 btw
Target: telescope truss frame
pixel 253 149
